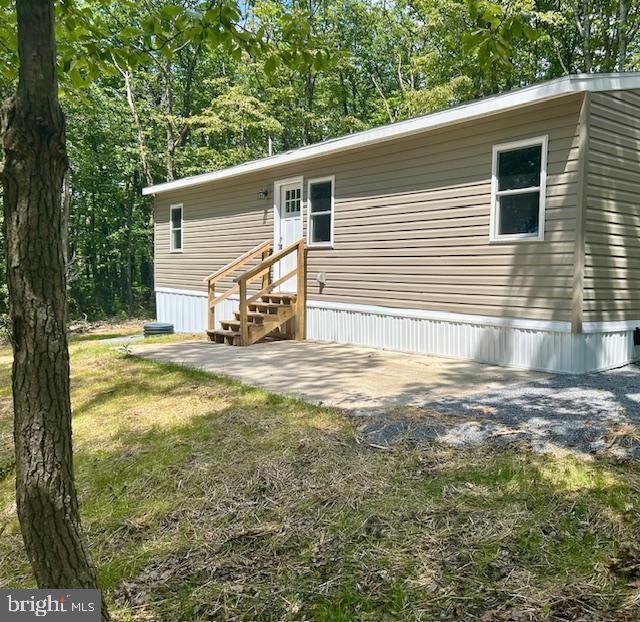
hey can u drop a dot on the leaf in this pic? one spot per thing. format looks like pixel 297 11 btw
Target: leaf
pixel 530 32
pixel 130 33
pixel 271 64
pixel 170 11
pixel 76 77
pixel 319 61
pixel 149 25
pixel 515 29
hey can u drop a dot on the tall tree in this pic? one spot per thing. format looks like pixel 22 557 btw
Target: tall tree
pixel 33 133
pixel 154 89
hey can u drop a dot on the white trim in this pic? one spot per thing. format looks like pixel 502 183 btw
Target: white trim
pixel 526 344
pixel 485 107
pixel 494 228
pixel 182 292
pixel 187 309
pixel 458 318
pixel 610 327
pixel 276 205
pixel 173 207
pixel 544 350
pixel 317 180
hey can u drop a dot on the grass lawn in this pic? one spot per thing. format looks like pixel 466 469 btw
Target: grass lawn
pixel 207 500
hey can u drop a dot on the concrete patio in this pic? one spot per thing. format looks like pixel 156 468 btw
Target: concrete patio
pixel 446 400
pixel 337 375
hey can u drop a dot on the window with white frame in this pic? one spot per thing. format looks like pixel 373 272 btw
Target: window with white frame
pixel 176 228
pixel 518 190
pixel 292 201
pixel 320 213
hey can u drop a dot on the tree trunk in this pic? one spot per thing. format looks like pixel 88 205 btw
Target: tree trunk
pixel 622 35
pixel 168 122
pixel 129 245
pixel 92 248
pixel 34 169
pixel 133 107
pixel 586 35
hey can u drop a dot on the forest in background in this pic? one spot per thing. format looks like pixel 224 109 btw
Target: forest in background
pixel 173 94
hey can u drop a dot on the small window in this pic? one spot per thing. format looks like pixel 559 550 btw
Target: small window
pixel 518 190
pixel 176 228
pixel 292 200
pixel 320 223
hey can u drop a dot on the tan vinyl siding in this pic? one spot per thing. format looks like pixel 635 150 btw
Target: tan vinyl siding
pixel 411 222
pixel 612 245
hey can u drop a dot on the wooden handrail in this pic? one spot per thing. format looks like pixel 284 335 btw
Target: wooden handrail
pixel 262 269
pixel 270 286
pixel 262 249
pixel 240 261
pixel 249 275
pixel 219 299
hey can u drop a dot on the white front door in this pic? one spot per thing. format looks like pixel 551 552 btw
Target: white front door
pixel 288 230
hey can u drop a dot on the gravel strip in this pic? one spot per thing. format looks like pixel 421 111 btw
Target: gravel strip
pixel 584 414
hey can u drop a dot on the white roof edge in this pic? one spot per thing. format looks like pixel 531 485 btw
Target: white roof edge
pixel 487 106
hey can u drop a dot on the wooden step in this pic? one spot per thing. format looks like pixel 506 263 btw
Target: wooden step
pixel 282 298
pixel 224 333
pixel 229 337
pixel 272 323
pixel 266 318
pixel 254 317
pixel 234 325
pixel 267 308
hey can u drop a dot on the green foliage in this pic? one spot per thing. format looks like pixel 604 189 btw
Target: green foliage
pixel 498 27
pixel 213 83
pixel 109 222
pixel 234 127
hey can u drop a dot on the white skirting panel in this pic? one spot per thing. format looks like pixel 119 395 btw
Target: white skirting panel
pixel 489 340
pixel 608 349
pixel 545 346
pixel 187 310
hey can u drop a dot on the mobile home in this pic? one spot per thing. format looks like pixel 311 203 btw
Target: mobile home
pixel 504 231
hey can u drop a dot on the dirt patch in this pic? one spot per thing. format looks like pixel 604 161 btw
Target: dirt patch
pixel 111 327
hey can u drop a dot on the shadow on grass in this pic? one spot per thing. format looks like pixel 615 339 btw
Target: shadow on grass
pixel 7 454
pixel 208 500
pixel 80 338
pixel 263 508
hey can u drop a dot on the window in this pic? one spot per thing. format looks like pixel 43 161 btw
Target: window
pixel 292 200
pixel 518 190
pixel 176 228
pixel 320 225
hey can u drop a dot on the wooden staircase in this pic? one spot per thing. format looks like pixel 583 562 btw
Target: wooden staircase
pixel 265 313
pixel 265 318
